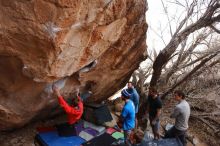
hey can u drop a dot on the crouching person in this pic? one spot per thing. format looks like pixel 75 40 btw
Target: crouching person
pixel 181 114
pixel 127 116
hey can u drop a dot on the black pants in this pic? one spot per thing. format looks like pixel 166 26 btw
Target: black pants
pixel 173 132
pixel 66 129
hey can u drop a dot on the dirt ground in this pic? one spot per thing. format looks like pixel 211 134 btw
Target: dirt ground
pixel 200 133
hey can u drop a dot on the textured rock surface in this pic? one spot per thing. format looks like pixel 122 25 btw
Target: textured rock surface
pixel 87 44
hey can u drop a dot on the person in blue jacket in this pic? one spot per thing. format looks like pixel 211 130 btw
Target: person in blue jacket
pixel 127 116
pixel 135 98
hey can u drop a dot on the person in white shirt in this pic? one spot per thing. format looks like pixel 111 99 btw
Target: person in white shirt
pixel 181 114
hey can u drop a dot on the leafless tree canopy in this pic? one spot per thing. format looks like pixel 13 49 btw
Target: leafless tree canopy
pixel 194 47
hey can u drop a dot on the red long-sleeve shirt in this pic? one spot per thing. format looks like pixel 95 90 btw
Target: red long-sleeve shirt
pixel 73 114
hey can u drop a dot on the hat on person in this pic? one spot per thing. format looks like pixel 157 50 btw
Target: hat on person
pixel 125 93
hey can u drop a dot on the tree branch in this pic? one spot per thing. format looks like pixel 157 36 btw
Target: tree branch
pixel 202 63
pixel 164 55
pixel 215 29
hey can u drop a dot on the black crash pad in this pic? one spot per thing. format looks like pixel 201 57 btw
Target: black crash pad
pixel 97 113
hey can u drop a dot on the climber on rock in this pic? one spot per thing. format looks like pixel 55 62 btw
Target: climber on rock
pixel 74 111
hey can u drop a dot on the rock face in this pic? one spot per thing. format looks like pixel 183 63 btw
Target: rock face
pixel 87 44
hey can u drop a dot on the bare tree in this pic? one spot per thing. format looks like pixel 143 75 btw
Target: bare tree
pixel 189 51
pixel 209 17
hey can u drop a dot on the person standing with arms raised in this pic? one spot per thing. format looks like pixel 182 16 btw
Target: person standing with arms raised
pixel 74 111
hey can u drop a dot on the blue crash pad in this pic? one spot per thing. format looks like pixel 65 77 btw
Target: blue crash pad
pixel 53 139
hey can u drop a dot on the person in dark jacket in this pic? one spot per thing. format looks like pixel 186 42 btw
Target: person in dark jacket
pixel 154 109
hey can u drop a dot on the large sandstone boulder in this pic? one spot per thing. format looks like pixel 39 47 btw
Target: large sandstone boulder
pixel 87 44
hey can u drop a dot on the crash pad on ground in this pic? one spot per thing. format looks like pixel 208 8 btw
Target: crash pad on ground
pixel 102 140
pixel 97 113
pixel 118 135
pixel 110 130
pixel 53 139
pixel 100 129
pixel 86 135
pixel 91 131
